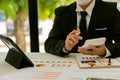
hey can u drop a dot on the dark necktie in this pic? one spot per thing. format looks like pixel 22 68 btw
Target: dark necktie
pixel 83 27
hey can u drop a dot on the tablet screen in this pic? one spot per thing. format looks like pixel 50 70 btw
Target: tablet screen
pixel 9 43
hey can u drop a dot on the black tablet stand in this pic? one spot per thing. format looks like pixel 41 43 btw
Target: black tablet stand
pixel 18 59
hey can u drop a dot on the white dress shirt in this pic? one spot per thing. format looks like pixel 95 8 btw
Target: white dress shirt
pixel 88 10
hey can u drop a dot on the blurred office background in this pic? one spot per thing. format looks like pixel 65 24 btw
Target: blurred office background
pixel 14 21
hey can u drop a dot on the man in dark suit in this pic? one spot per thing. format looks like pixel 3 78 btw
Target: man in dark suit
pixel 103 20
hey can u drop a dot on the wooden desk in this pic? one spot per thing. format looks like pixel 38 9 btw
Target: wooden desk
pixel 71 73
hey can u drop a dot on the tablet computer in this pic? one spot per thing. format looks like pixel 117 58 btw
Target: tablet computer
pixel 16 57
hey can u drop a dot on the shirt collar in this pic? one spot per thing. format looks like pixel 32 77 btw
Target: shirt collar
pixel 88 10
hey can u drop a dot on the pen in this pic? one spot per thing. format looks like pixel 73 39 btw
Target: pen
pixel 109 61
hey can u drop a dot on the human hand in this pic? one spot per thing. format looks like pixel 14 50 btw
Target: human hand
pixel 72 39
pixel 99 50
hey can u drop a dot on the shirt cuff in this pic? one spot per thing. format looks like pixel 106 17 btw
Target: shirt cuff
pixel 107 53
pixel 63 50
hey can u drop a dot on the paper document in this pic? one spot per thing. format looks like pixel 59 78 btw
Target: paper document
pixel 95 42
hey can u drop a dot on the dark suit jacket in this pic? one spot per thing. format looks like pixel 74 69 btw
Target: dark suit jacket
pixel 105 22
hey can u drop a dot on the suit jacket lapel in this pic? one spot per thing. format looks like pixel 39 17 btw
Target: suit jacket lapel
pixel 96 14
pixel 95 17
pixel 73 20
pixel 73 16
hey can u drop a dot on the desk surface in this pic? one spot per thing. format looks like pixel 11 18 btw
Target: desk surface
pixel 73 71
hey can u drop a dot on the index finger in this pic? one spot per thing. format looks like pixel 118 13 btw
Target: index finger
pixel 75 32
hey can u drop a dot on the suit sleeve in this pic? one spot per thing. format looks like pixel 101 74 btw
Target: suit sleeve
pixel 114 48
pixel 55 42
